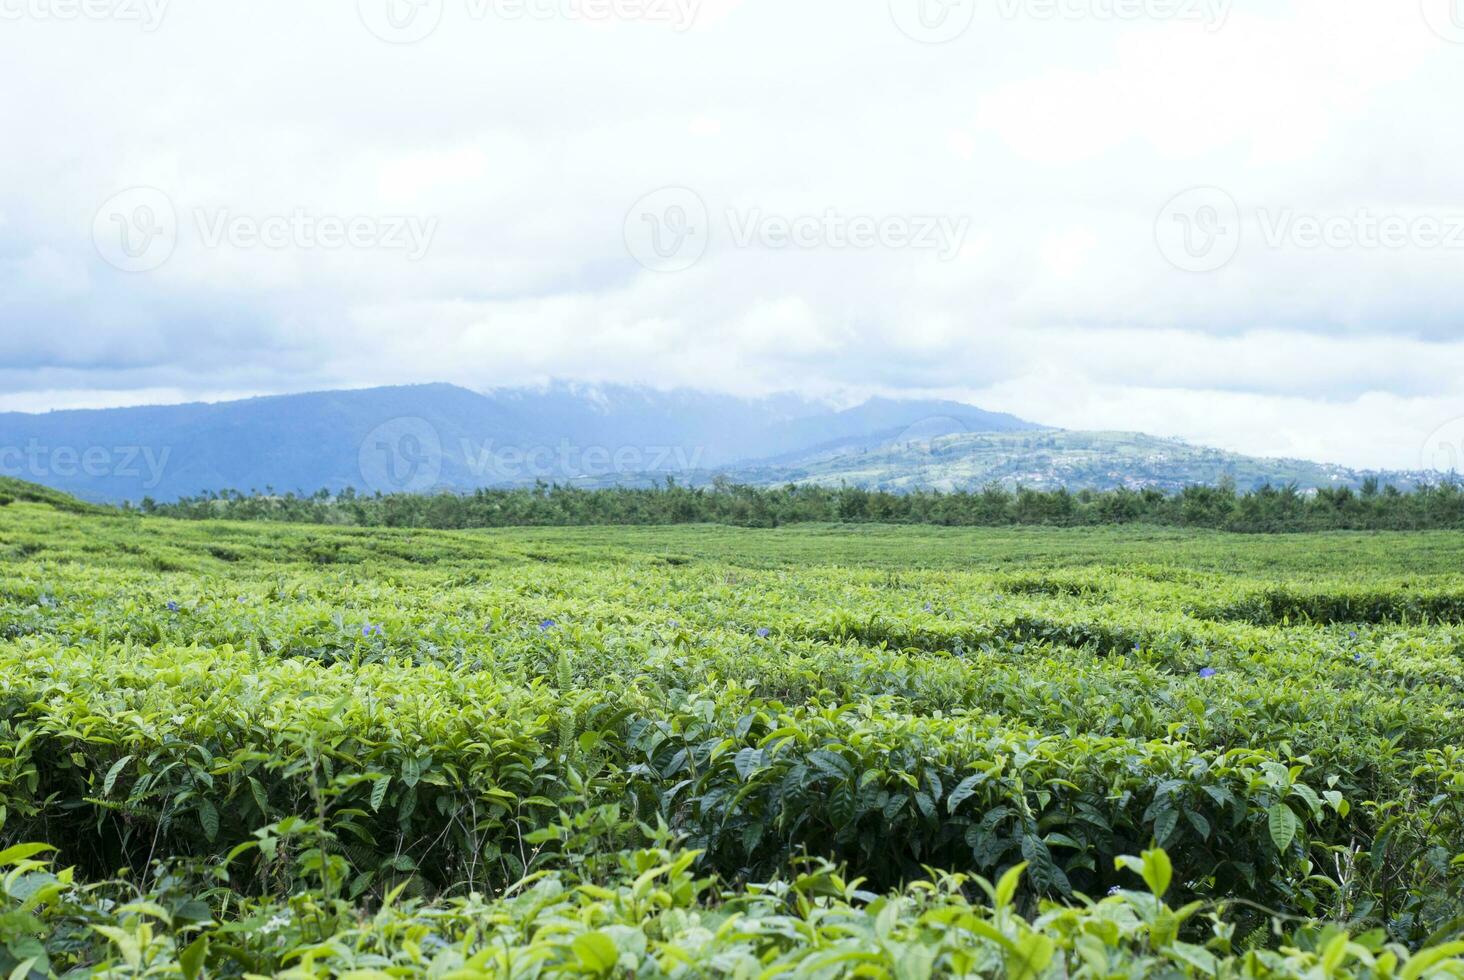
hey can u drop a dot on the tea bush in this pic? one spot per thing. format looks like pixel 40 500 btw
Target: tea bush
pixel 700 751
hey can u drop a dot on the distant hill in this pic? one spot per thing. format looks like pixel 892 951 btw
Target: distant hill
pixel 1047 460
pixel 431 437
pixel 440 437
pixel 12 491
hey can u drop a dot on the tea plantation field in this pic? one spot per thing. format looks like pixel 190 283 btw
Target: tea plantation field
pixel 234 749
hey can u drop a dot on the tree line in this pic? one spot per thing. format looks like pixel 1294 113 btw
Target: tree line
pixel 1267 509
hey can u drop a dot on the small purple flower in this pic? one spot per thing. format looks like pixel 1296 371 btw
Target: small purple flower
pixel 1357 657
pixel 929 607
pixel 1209 672
pixel 763 632
pixel 547 625
pixel 1353 634
pixel 172 607
pixel 675 624
pixel 370 630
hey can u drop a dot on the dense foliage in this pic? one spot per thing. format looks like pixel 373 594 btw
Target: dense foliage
pixel 703 751
pixel 1268 509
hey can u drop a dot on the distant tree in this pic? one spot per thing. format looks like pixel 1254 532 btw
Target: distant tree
pixel 1264 509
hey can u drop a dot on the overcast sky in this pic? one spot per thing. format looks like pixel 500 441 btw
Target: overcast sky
pixel 1238 222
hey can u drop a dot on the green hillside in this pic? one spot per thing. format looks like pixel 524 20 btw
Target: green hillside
pixel 12 490
pixel 1047 459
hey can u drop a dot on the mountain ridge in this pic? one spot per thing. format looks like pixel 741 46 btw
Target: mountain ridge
pixel 436 436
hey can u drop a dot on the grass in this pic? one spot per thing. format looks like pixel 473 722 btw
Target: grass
pixel 12 490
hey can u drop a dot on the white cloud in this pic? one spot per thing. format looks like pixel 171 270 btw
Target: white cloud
pixel 1375 430
pixel 527 141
